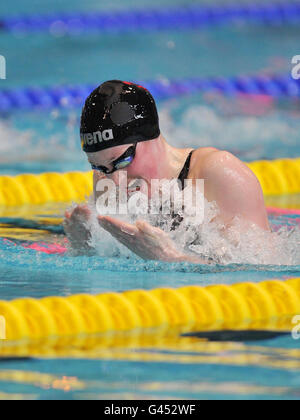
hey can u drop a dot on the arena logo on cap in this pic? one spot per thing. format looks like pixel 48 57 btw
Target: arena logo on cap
pixel 2 67
pixel 97 137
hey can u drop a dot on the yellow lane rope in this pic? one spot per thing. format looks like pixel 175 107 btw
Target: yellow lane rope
pixel 45 188
pixel 269 305
pixel 277 177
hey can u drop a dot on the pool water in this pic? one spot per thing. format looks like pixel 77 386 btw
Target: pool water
pixel 252 128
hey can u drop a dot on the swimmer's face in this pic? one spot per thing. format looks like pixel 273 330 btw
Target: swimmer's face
pixel 141 167
pixel 111 160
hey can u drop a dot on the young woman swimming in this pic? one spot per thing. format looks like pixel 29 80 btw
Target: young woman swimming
pixel 120 131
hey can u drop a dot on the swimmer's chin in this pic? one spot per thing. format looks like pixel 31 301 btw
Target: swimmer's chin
pixel 140 185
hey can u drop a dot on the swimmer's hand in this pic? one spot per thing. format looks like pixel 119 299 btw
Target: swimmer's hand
pixel 75 226
pixel 146 241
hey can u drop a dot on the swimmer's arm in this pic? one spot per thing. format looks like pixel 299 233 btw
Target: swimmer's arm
pixel 76 229
pixel 146 241
pixel 235 188
pixel 76 223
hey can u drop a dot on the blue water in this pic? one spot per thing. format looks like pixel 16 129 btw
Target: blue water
pixel 48 141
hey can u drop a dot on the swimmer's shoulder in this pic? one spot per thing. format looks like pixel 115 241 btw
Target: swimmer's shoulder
pixel 231 184
pixel 207 162
pixel 199 160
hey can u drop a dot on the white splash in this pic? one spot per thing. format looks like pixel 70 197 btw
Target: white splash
pixel 240 244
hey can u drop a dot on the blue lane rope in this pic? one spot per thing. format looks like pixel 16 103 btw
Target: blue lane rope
pixel 73 96
pixel 195 16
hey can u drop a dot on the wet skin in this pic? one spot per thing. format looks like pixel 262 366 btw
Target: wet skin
pixel 228 182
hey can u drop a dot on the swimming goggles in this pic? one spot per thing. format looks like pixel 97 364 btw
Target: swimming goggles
pixel 121 163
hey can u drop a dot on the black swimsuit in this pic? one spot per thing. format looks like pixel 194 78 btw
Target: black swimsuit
pixel 177 219
pixel 185 170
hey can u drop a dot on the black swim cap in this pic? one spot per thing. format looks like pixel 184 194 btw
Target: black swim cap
pixel 118 113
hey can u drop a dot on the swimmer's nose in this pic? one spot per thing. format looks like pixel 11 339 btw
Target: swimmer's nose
pixel 117 179
pixel 114 177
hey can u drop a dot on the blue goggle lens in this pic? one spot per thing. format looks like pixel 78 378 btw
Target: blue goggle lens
pixel 124 163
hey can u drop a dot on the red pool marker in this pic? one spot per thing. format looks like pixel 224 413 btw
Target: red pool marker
pixel 275 210
pixel 46 248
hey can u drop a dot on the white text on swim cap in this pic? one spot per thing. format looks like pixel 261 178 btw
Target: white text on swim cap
pixel 97 137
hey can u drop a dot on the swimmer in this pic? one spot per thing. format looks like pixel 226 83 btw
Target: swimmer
pixel 120 131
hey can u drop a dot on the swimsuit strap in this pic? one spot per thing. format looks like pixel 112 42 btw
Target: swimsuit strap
pixel 185 170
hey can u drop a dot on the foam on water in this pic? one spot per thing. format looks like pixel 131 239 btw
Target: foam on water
pixel 250 127
pixel 22 141
pixel 52 145
pixel 240 244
